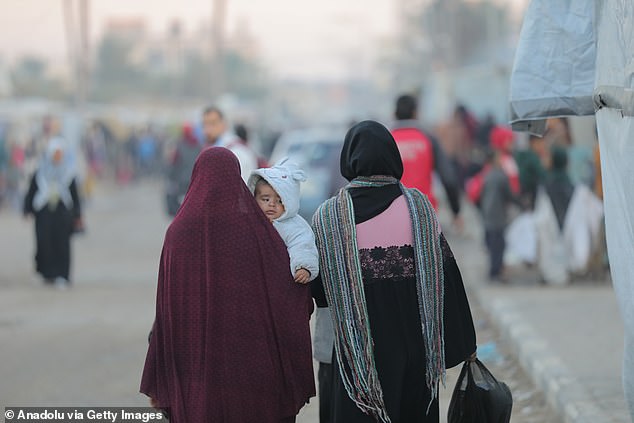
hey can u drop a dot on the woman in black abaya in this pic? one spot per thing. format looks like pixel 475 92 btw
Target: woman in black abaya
pixel 53 200
pixel 396 296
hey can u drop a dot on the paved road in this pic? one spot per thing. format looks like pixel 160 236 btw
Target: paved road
pixel 86 346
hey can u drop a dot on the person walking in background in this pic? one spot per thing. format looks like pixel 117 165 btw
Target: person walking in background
pixel 397 300
pixel 15 175
pixel 324 335
pixel 323 352
pixel 568 218
pixel 53 200
pixel 180 168
pixel 558 132
pixel 495 198
pixel 422 155
pixel 147 152
pixel 531 169
pixel 483 132
pixel 231 336
pixel 463 131
pixel 521 234
pixel 242 134
pixel 217 133
pixel 502 140
pixel 558 184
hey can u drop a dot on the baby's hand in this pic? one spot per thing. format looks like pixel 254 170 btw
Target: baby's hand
pixel 302 276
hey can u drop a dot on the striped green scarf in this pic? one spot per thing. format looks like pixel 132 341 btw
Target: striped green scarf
pixel 335 232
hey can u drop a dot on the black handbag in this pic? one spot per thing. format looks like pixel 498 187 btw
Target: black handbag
pixel 479 397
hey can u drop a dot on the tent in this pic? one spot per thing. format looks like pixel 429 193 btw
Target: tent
pixel 576 57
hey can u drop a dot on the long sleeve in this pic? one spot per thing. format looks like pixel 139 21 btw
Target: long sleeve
pixel 28 198
pixel 300 240
pixel 447 176
pixel 318 293
pixel 460 337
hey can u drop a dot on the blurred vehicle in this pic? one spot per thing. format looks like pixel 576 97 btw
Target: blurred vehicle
pixel 317 152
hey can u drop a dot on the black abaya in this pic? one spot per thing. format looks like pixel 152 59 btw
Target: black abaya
pixel 392 301
pixel 399 351
pixel 53 229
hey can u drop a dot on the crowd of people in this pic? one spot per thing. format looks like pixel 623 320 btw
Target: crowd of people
pixel 541 205
pixel 240 265
pixel 102 151
pixel 392 308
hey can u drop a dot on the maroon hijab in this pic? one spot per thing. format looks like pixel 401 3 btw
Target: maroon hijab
pixel 231 340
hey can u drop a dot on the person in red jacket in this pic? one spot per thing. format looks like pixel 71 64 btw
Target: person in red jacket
pixel 502 140
pixel 422 155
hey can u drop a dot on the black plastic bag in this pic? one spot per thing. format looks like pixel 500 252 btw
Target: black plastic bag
pixel 479 398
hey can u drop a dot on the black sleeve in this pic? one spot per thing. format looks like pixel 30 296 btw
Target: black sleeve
pixel 28 198
pixel 460 337
pixel 317 290
pixel 76 202
pixel 447 176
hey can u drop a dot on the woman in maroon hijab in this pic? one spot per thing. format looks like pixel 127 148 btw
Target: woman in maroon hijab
pixel 231 340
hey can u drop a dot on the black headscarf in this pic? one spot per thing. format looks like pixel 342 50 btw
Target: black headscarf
pixel 559 185
pixel 368 150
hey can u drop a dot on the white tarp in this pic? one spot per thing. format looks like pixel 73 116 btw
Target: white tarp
pixel 559 33
pixel 557 54
pixel 615 124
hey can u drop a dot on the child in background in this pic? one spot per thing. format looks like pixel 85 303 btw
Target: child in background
pixel 276 191
pixel 495 198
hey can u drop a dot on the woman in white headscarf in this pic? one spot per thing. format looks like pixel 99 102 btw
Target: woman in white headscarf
pixel 53 200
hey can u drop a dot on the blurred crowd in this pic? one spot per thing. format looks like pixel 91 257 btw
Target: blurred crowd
pixel 539 197
pixel 103 151
pixel 505 175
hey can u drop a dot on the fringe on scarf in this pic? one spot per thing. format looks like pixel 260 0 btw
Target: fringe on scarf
pixel 335 232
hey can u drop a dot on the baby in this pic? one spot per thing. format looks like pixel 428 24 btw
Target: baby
pixel 276 191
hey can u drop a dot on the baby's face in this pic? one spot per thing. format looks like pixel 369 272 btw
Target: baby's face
pixel 269 201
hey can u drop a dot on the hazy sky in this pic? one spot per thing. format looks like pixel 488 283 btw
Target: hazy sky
pixel 296 37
